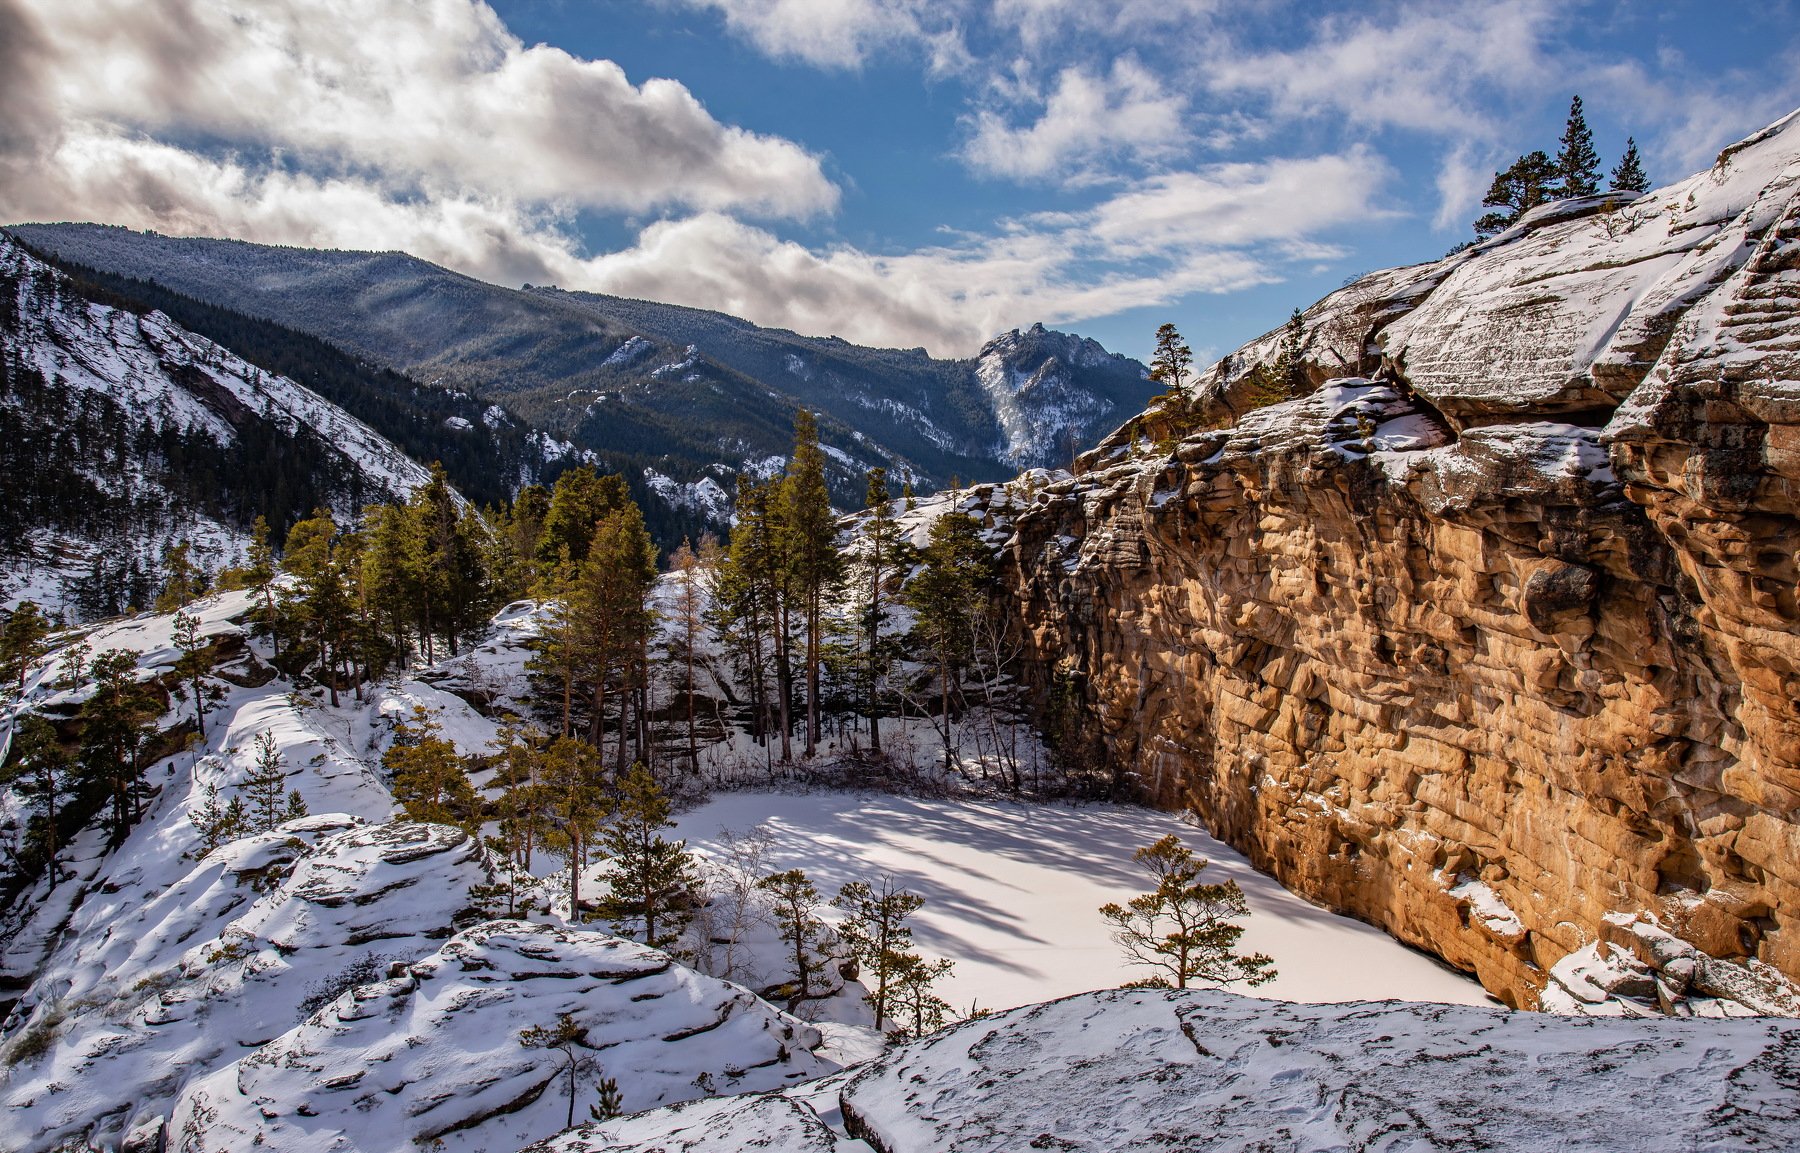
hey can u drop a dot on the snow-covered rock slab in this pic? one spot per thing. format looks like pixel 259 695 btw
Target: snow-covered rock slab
pixel 1142 1069
pixel 210 967
pixel 728 1125
pixel 434 1059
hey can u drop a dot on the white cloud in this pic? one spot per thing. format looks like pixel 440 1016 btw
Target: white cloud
pixel 1088 120
pixel 1217 230
pixel 416 99
pixel 841 33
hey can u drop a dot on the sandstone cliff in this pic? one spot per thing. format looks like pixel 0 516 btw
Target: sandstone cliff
pixel 1500 637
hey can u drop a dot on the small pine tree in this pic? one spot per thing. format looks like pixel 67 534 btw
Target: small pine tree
pixel 44 783
pixel 574 807
pixel 182 579
pixel 1577 164
pixel 1170 365
pixel 651 884
pixel 117 722
pixel 1629 175
pixel 193 665
pixel 1185 928
pixel 914 988
pixel 1516 191
pixel 22 644
pixel 430 783
pixel 875 932
pixel 564 1037
pixel 271 803
pixel 611 1103
pixel 796 903
pixel 218 823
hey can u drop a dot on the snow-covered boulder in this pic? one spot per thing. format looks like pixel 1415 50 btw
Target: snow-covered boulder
pixel 720 1125
pixel 210 967
pixel 434 1056
pixel 1213 1071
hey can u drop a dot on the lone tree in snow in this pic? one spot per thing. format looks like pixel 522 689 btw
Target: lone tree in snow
pixel 1184 927
pixel 796 902
pixel 564 1037
pixel 1629 175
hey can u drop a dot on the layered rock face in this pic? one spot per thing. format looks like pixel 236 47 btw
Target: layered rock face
pixel 1503 638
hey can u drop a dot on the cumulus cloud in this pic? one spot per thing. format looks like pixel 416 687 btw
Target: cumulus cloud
pixel 1215 230
pixel 1087 121
pixel 409 100
pixel 842 33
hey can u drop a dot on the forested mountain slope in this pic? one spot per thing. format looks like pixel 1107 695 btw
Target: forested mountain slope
pixel 680 398
pixel 127 433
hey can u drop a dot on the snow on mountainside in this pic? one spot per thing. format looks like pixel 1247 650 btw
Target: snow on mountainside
pixel 647 386
pixel 134 433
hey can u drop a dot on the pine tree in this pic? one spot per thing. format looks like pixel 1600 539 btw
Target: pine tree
pixel 1577 164
pixel 116 725
pixel 883 558
pixel 952 585
pixel 609 607
pixel 1290 358
pixel 796 902
pixel 44 782
pixel 271 803
pixel 430 783
pixel 182 579
pixel 193 665
pixel 1629 175
pixel 575 807
pixel 693 573
pixel 259 574
pixel 651 881
pixel 1170 365
pixel 1185 928
pixel 913 985
pixel 580 500
pixel 808 546
pixel 564 1037
pixel 323 597
pixel 747 606
pixel 875 932
pixel 22 644
pixel 218 823
pixel 1516 191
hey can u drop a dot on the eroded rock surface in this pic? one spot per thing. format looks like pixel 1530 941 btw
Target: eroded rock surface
pixel 432 1058
pixel 1503 638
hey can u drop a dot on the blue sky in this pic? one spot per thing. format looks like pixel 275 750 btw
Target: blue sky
pixel 894 171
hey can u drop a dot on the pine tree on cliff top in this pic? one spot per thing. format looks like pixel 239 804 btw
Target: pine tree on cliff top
pixel 1629 175
pixel 1577 164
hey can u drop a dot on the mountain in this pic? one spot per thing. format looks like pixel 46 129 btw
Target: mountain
pixel 676 398
pixel 127 432
pixel 1490 635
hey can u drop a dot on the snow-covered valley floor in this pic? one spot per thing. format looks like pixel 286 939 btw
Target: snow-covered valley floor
pixel 1012 894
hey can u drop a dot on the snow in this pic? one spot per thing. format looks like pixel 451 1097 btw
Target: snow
pixel 630 350
pixel 1012 893
pixel 433 1057
pixel 1142 1070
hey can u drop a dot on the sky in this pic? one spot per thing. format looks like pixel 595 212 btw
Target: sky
pixel 896 172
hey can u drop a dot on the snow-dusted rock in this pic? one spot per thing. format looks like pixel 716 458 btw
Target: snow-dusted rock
pixel 1214 1071
pixel 209 967
pixel 435 1056
pixel 726 1125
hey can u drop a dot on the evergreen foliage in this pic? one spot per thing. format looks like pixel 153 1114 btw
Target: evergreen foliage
pixel 951 589
pixel 575 806
pixel 271 803
pixel 651 882
pixel 22 644
pixel 430 782
pixel 876 934
pixel 1629 175
pixel 1529 182
pixel 796 901
pixel 564 1037
pixel 1185 928
pixel 806 542
pixel 117 724
pixel 1577 164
